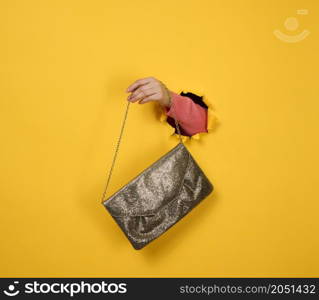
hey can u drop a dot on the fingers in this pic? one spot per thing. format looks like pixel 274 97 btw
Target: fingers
pixel 145 90
pixel 141 93
pixel 139 83
pixel 146 99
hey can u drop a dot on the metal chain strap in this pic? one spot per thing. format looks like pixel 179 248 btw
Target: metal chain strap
pixel 120 138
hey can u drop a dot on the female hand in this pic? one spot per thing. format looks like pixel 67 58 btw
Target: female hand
pixel 149 89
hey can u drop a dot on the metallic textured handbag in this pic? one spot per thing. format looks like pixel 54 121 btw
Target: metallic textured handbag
pixel 158 197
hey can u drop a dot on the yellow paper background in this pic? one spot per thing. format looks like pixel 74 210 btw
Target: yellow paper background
pixel 65 66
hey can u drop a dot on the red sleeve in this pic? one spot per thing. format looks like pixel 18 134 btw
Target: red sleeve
pixel 191 116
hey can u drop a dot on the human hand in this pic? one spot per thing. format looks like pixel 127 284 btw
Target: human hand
pixel 149 89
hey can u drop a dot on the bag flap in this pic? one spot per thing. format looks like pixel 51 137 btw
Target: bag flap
pixel 153 188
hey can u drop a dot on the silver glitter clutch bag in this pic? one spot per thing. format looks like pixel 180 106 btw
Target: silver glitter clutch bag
pixel 158 197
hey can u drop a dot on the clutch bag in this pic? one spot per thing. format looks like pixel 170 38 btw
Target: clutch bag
pixel 160 196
